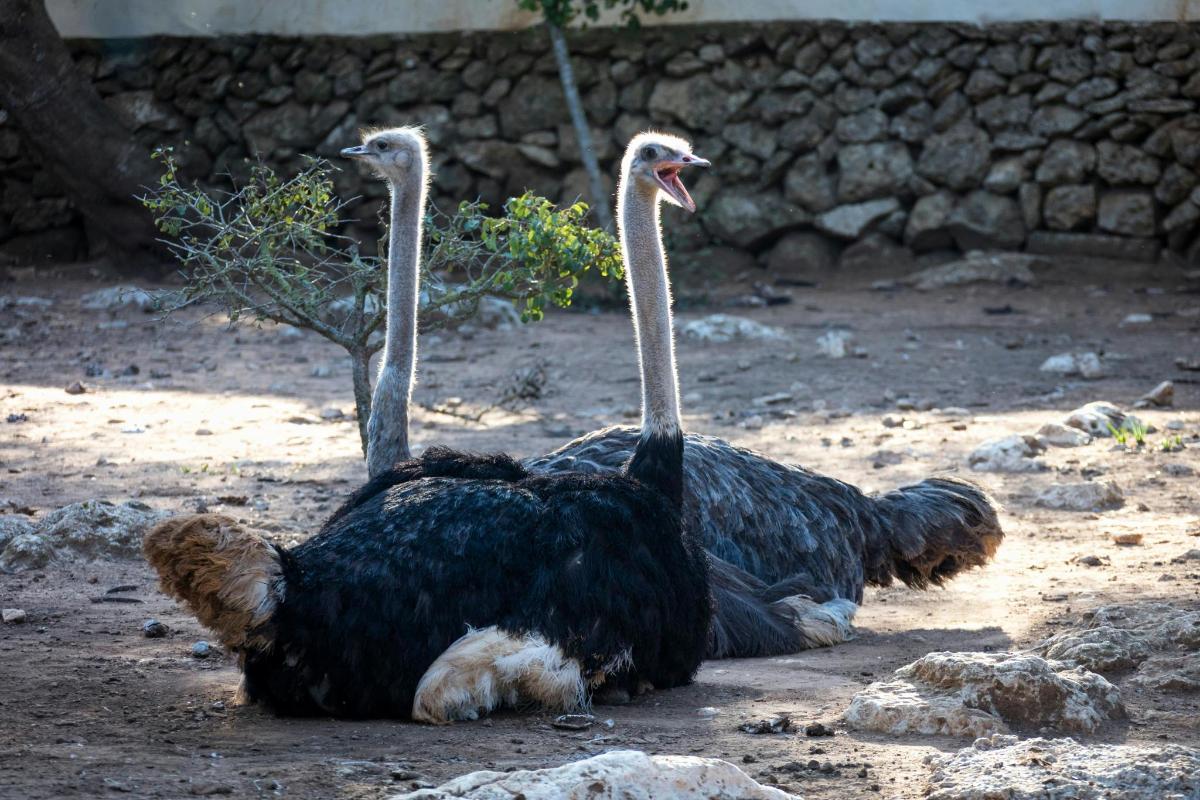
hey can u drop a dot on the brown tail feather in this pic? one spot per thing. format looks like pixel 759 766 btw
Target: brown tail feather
pixel 230 578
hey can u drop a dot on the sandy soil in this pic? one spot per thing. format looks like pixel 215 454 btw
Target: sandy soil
pixel 233 420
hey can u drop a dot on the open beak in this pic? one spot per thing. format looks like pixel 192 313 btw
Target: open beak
pixel 358 151
pixel 667 175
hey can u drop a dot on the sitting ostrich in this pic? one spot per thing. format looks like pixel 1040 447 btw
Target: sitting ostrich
pixel 469 583
pixel 790 550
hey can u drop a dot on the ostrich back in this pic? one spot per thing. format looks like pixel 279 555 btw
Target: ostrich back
pixel 795 530
pixel 597 564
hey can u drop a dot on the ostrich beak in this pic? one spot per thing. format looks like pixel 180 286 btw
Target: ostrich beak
pixel 358 151
pixel 667 175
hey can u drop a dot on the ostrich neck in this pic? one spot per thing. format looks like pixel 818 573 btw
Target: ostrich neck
pixel 650 296
pixel 388 427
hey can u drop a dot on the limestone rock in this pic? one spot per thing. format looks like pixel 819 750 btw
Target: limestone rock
pixel 720 328
pixel 1122 164
pixel 852 221
pixel 1096 417
pixel 926 226
pixel 1009 269
pixel 88 530
pixel 114 297
pixel 750 219
pixel 868 171
pixel 12 526
pixel 1062 769
pixel 802 253
pixel 1162 396
pixel 980 694
pixel 1128 212
pixel 985 221
pixel 1062 436
pixel 958 159
pixel 535 103
pixel 1086 364
pixel 1082 496
pixel 808 184
pixel 1069 207
pixel 1066 161
pixel 1118 638
pixel 698 102
pixel 1015 453
pixel 617 775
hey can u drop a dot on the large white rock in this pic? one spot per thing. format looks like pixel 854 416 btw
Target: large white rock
pixel 1003 768
pixel 1015 453
pixel 836 343
pixel 1013 269
pixel 1159 640
pixel 88 530
pixel 619 775
pixel 1082 496
pixel 1062 436
pixel 1085 364
pixel 1095 418
pixel 720 328
pixel 978 694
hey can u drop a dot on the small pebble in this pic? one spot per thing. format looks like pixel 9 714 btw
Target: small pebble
pixel 75 387
pixel 13 616
pixel 817 729
pixel 201 649
pixel 203 432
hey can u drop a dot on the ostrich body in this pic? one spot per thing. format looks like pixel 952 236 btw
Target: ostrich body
pixel 466 582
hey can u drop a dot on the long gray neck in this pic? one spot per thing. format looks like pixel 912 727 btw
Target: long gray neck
pixel 387 430
pixel 650 297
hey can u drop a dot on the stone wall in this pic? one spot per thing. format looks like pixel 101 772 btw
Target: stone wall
pixel 1081 137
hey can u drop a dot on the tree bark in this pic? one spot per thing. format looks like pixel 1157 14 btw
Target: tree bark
pixel 360 372
pixel 601 205
pixel 76 137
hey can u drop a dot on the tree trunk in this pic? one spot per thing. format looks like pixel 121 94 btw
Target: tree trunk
pixel 76 137
pixel 360 371
pixel 600 201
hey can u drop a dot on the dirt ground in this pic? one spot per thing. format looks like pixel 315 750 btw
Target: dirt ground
pixel 233 420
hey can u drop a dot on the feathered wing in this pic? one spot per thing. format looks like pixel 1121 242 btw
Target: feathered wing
pixel 801 533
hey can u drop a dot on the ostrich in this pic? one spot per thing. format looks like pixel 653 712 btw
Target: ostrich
pixel 790 550
pixel 469 583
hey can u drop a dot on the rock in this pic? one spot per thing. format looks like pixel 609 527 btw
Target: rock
pixel 980 694
pixel 874 251
pixel 818 729
pixel 1066 161
pixel 802 253
pixel 1136 319
pixel 1086 364
pixel 1056 120
pixel 852 221
pixel 1093 244
pixel 808 184
pixel 720 328
pixel 926 227
pixel 1062 436
pixel 1176 184
pixel 778 724
pixel 12 526
pixel 535 103
pixel 868 171
pixel 1125 164
pixel 13 616
pixel 201 649
pixel 1129 212
pixel 869 125
pixel 75 387
pixel 115 297
pixel 1008 269
pixel 1015 453
pixel 1170 673
pixel 140 109
pixel 1118 638
pixel 153 629
pixel 1084 496
pixel 88 530
pixel 697 102
pixel 748 220
pixel 1096 418
pixel 625 774
pixel 1162 396
pixel 983 220
pixel 836 343
pixel 751 138
pixel 1063 769
pixel 1069 207
pixel 1005 176
pixel 958 159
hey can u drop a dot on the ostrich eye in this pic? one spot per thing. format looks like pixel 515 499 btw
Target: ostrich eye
pixel 381 146
pixel 650 152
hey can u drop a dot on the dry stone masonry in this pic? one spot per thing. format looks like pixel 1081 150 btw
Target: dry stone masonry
pixel 1055 138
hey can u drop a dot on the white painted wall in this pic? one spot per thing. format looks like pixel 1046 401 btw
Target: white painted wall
pixel 120 18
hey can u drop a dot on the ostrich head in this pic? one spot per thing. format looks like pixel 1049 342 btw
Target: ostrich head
pixel 395 153
pixel 653 161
